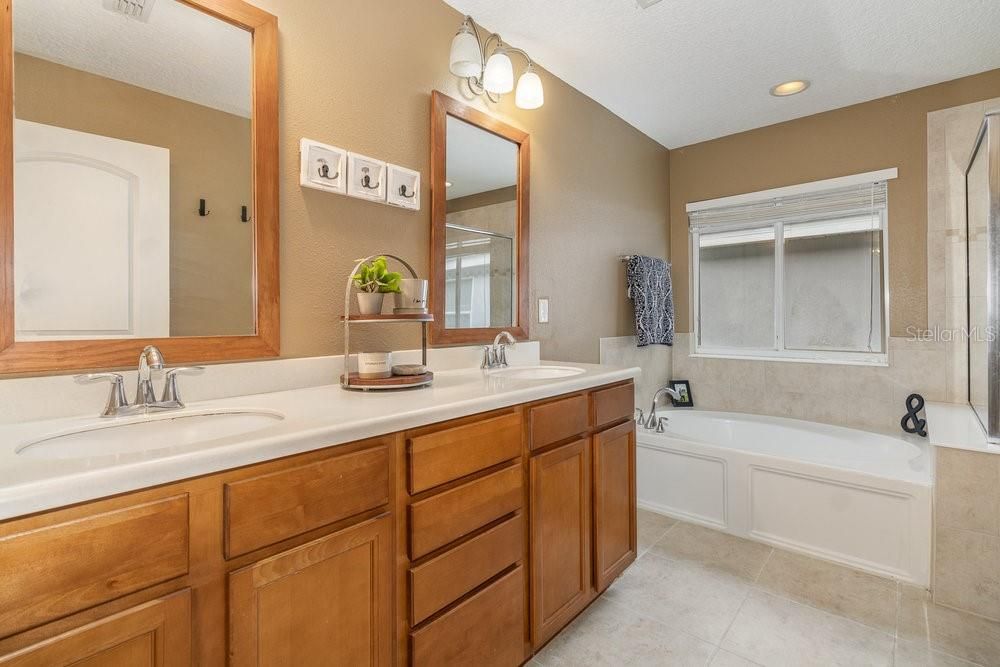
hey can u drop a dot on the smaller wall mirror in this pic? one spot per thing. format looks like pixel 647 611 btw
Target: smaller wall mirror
pixel 479 187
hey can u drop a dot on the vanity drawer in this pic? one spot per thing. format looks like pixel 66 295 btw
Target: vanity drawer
pixel 486 629
pixel 442 580
pixel 558 420
pixel 447 455
pixel 273 507
pixel 61 569
pixel 448 516
pixel 613 404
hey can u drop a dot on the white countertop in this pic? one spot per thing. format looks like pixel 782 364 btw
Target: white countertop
pixel 956 426
pixel 315 417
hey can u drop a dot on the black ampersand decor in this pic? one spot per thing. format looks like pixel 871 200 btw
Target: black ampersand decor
pixel 911 422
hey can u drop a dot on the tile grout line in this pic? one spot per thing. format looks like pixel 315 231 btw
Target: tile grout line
pixel 763 565
pixel 657 621
pixel 732 621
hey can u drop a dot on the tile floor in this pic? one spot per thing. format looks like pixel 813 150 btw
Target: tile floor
pixel 697 596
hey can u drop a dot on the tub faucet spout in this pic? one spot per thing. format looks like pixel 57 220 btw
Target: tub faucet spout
pixel 652 422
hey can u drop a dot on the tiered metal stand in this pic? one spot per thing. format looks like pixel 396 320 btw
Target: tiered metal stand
pixel 352 381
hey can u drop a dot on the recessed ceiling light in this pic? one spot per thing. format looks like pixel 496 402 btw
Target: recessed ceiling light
pixel 789 88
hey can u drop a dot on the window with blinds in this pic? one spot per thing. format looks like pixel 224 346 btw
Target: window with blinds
pixel 796 275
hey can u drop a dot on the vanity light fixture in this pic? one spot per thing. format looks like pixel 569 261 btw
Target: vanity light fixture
pixel 789 88
pixel 493 77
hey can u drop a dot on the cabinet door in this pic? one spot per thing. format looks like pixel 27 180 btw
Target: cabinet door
pixel 614 503
pixel 327 602
pixel 560 538
pixel 157 634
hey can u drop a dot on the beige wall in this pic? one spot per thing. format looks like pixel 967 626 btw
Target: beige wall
pixel 211 257
pixel 890 132
pixel 358 74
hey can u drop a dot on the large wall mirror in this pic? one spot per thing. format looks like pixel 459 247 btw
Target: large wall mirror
pixel 143 207
pixel 479 188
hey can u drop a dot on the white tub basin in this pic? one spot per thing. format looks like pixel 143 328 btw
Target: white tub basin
pixel 537 372
pixel 153 432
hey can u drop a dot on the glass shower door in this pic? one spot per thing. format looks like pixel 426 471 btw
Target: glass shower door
pixel 982 198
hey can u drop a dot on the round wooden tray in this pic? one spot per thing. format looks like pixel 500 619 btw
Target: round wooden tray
pixel 354 381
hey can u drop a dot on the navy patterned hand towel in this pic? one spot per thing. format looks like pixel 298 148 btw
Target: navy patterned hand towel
pixel 648 280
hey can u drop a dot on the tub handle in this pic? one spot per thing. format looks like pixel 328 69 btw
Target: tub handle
pixel 639 417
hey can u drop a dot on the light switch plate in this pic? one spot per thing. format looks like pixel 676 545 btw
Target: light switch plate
pixel 543 311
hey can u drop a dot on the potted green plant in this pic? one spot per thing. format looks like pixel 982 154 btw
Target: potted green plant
pixel 374 280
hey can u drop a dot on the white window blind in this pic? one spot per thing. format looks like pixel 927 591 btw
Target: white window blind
pixel 852 201
pixel 800 275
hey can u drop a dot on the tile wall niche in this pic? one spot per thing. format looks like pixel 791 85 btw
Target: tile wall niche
pixel 967 484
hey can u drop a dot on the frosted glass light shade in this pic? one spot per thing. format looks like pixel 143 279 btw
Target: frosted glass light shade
pixel 529 93
pixel 499 75
pixel 466 59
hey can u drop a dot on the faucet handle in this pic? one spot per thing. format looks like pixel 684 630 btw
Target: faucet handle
pixel 639 417
pixel 489 358
pixel 170 393
pixel 661 423
pixel 116 400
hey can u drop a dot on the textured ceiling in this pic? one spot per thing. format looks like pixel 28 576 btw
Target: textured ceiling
pixel 181 52
pixel 685 71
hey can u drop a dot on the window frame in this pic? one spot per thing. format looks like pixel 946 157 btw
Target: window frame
pixel 780 353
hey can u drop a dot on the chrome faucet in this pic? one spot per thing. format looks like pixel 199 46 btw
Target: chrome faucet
pixel 150 359
pixel 651 422
pixel 495 356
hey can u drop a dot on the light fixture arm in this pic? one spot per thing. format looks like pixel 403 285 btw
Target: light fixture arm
pixel 476 82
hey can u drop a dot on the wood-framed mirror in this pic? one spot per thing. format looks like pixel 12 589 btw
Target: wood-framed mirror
pixel 138 182
pixel 480 185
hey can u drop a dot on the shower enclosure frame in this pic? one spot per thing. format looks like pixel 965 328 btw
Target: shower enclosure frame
pixel 988 139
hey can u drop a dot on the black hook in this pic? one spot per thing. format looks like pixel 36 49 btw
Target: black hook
pixel 324 171
pixel 402 192
pixel 366 180
pixel 245 214
pixel 202 211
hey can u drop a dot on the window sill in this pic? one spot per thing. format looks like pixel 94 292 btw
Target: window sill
pixel 878 360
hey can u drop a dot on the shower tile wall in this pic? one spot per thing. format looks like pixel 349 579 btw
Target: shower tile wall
pixel 967 484
pixel 967 531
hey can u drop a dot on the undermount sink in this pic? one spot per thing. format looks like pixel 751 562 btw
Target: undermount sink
pixel 152 432
pixel 536 372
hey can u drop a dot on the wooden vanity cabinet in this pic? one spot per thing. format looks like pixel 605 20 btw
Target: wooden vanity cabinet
pixel 614 508
pixel 472 541
pixel 154 634
pixel 327 602
pixel 560 538
pixel 582 489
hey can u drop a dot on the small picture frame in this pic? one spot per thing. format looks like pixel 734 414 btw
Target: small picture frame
pixel 682 387
pixel 365 177
pixel 322 167
pixel 403 187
